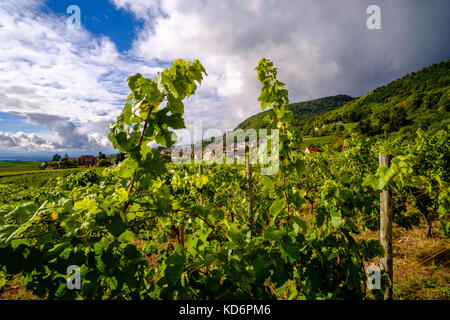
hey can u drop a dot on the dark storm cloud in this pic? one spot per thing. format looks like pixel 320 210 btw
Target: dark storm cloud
pixel 70 137
pixel 413 35
pixel 321 47
pixel 45 120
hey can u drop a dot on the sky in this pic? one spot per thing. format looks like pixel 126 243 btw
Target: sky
pixel 61 86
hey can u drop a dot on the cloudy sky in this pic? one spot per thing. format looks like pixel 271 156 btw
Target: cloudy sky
pixel 60 86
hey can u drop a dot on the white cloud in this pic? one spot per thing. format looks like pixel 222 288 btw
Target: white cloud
pixel 58 77
pixel 55 75
pixel 21 141
pixel 65 137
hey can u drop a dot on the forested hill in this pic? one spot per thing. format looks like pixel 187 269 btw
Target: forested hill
pixel 417 100
pixel 302 111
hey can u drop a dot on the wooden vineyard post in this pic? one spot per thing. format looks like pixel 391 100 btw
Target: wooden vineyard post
pixel 201 195
pixel 250 192
pixel 386 230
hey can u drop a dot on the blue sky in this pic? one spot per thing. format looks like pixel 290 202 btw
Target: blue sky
pixel 14 123
pixel 60 88
pixel 101 18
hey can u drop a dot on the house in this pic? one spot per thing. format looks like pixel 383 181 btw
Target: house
pixel 87 160
pixel 309 150
pixel 48 165
pixel 166 151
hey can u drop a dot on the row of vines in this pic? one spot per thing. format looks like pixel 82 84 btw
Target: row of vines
pixel 148 229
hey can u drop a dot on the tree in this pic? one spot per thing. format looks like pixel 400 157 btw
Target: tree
pixel 66 163
pixel 119 158
pixel 104 163
pixel 56 157
pixel 363 127
pixel 397 119
pixel 101 155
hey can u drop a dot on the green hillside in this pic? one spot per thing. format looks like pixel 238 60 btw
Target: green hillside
pixel 418 100
pixel 302 111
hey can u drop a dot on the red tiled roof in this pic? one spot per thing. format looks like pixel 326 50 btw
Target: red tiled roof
pixel 311 149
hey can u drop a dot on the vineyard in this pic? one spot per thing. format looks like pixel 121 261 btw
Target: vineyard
pixel 152 229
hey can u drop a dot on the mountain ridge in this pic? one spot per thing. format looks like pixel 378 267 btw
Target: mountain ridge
pixel 302 111
pixel 417 100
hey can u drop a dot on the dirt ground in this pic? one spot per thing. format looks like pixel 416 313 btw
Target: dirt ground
pixel 415 276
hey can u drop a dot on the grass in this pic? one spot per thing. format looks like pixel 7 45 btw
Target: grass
pixel 31 179
pixel 15 290
pixel 317 141
pixel 19 173
pixel 31 172
pixel 429 280
pixel 329 138
pixel 16 168
pixel 29 176
pixel 8 166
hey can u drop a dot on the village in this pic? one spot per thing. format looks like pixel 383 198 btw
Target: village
pixel 209 151
pixel 84 161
